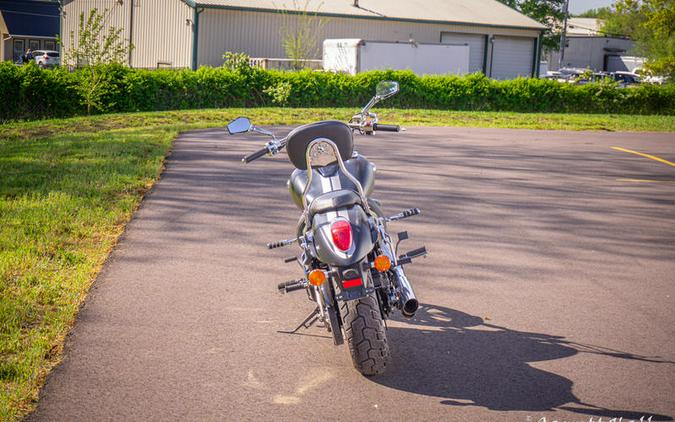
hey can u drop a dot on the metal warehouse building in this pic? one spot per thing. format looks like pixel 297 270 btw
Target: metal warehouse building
pixel 189 33
pixel 589 48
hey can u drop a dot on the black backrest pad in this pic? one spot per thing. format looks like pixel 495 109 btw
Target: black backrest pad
pixel 302 136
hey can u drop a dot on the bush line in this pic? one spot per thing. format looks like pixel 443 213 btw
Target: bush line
pixel 31 93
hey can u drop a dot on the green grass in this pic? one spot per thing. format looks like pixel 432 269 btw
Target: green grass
pixel 182 120
pixel 68 187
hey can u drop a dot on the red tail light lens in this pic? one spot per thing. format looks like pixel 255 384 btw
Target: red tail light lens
pixel 348 284
pixel 342 234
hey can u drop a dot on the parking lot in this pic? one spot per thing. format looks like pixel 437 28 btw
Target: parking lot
pixel 548 290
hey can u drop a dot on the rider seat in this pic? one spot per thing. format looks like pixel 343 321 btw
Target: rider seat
pixel 334 200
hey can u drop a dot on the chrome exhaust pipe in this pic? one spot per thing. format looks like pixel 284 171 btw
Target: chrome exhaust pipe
pixel 408 303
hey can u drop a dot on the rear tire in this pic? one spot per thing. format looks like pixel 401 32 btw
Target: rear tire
pixel 365 334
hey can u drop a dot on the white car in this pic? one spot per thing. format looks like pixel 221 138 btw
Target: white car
pixel 47 58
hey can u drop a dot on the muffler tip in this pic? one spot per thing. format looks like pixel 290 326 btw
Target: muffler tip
pixel 409 308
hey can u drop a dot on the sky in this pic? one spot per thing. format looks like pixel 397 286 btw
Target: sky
pixel 579 6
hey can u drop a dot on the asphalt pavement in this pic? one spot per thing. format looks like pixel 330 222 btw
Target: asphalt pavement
pixel 549 291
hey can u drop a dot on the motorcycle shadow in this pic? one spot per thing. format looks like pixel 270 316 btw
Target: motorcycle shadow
pixel 467 361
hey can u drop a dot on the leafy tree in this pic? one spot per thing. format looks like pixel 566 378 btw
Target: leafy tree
pixel 300 34
pixel 549 13
pixel 656 41
pixel 625 19
pixel 651 23
pixel 91 45
pixel 91 49
pixel 599 13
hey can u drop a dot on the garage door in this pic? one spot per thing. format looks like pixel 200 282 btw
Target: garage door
pixel 512 57
pixel 476 44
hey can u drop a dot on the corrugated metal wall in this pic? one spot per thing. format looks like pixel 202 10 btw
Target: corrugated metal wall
pixel 231 30
pixel 162 33
pixel 162 29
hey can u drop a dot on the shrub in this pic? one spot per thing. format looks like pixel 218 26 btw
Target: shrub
pixel 29 92
pixel 279 93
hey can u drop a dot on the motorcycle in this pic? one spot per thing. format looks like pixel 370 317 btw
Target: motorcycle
pixel 352 270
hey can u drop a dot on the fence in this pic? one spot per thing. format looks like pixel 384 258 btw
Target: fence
pixel 286 64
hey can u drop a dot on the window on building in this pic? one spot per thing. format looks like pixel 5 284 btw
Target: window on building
pixel 18 50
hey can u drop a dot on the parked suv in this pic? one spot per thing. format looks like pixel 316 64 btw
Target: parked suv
pixel 47 58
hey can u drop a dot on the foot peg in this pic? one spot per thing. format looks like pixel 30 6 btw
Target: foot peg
pixel 407 257
pixel 291 286
pixel 281 243
pixel 405 214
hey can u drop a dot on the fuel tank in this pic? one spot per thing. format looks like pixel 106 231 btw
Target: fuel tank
pixel 329 178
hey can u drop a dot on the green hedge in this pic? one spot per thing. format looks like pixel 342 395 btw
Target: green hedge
pixel 28 92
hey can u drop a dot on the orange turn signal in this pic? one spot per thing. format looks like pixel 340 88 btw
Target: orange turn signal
pixel 382 263
pixel 316 277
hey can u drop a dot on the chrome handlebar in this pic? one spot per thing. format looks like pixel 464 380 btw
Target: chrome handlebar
pixel 366 122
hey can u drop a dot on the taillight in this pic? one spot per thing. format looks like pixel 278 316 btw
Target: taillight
pixel 46 57
pixel 348 284
pixel 342 234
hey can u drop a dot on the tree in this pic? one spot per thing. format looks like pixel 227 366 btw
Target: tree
pixel 599 13
pixel 300 34
pixel 90 50
pixel 91 45
pixel 625 19
pixel 549 13
pixel 656 41
pixel 651 23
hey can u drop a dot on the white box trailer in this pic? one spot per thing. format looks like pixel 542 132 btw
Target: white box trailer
pixel 355 55
pixel 624 63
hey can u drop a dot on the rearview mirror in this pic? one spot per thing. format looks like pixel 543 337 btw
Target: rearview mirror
pixel 386 89
pixel 239 125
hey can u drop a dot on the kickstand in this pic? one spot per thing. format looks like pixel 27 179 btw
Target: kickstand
pixel 308 322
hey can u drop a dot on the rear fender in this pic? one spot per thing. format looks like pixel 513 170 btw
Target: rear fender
pixel 352 282
pixel 362 237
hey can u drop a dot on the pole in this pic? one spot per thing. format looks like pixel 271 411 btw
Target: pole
pixel 61 17
pixel 563 34
pixel 195 38
pixel 131 30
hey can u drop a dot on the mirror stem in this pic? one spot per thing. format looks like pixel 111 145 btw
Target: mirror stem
pixel 370 104
pixel 262 131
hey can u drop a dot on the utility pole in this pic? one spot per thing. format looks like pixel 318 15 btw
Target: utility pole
pixel 563 35
pixel 62 14
pixel 131 30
